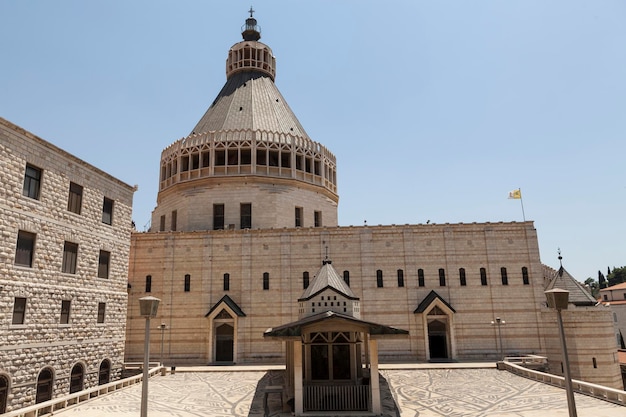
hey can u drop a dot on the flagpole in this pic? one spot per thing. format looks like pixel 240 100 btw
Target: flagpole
pixel 521 201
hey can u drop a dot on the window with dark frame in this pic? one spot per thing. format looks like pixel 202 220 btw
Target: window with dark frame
pixel 103 264
pixel 162 223
pixel 173 220
pixel 400 278
pixel 75 199
pixel 483 276
pixel 420 277
pixel 25 248
pixel 246 215
pixel 107 211
pixel 346 277
pixel 379 278
pixel 148 283
pixel 525 278
pixel 227 282
pixel 187 283
pixel 505 277
pixel 19 310
pixel 317 218
pixel 101 312
pixel 32 182
pixel 266 280
pixel 65 312
pixel 442 277
pixel 218 217
pixel 462 278
pixel 70 257
pixel 305 280
pixel 298 216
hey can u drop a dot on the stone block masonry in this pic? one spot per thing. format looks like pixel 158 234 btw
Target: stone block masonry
pixel 62 311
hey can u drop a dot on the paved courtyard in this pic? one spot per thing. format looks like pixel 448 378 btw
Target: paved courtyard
pixel 405 393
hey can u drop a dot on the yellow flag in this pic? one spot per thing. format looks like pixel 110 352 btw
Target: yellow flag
pixel 515 194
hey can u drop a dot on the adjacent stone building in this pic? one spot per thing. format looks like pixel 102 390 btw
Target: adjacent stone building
pixel 247 211
pixel 64 258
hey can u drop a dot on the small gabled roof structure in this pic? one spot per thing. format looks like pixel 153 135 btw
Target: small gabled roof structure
pixel 294 329
pixel 578 295
pixel 327 277
pixel 428 301
pixel 230 303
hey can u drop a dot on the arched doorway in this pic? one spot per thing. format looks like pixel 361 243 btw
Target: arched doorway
pixel 438 339
pixel 44 386
pixel 76 378
pixel 224 342
pixel 4 393
pixel 104 374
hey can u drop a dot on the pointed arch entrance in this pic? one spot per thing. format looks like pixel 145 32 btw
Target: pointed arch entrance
pixel 437 318
pixel 222 336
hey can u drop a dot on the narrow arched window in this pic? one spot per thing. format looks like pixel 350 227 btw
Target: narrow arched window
pixel 483 276
pixel 442 277
pixel 266 280
pixel 44 386
pixel 305 280
pixel 76 378
pixel 346 277
pixel 505 277
pixel 227 282
pixel 400 278
pixel 462 277
pixel 187 283
pixel 420 277
pixel 379 278
pixel 525 278
pixel 148 283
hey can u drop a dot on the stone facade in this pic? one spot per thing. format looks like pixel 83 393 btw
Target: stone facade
pixel 51 255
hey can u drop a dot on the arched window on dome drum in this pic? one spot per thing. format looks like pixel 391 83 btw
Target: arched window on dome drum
pixel 483 276
pixel 420 277
pixel 442 277
pixel 379 278
pixel 505 277
pixel 525 278
pixel 346 277
pixel 462 277
pixel 305 280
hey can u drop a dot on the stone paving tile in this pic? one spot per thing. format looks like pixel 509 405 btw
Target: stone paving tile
pixel 405 393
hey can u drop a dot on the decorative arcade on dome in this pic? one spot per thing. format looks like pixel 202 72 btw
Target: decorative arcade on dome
pixel 248 158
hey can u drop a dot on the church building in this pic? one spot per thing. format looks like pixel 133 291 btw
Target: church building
pixel 246 215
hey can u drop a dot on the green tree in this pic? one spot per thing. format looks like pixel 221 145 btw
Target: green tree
pixel 617 276
pixel 601 280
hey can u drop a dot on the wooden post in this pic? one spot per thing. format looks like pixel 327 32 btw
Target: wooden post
pixel 373 350
pixel 297 377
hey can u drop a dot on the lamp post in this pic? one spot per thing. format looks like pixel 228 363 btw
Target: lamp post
pixel 499 322
pixel 162 327
pixel 148 307
pixel 558 299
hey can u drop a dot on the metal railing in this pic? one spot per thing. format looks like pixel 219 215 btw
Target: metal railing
pixel 598 391
pixel 336 397
pixel 51 406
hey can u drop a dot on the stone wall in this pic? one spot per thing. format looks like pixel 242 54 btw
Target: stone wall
pixel 42 341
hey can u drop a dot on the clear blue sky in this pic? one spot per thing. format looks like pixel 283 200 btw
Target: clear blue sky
pixel 435 109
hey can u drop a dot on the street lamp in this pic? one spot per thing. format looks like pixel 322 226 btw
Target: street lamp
pixel 499 322
pixel 162 327
pixel 558 299
pixel 148 307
